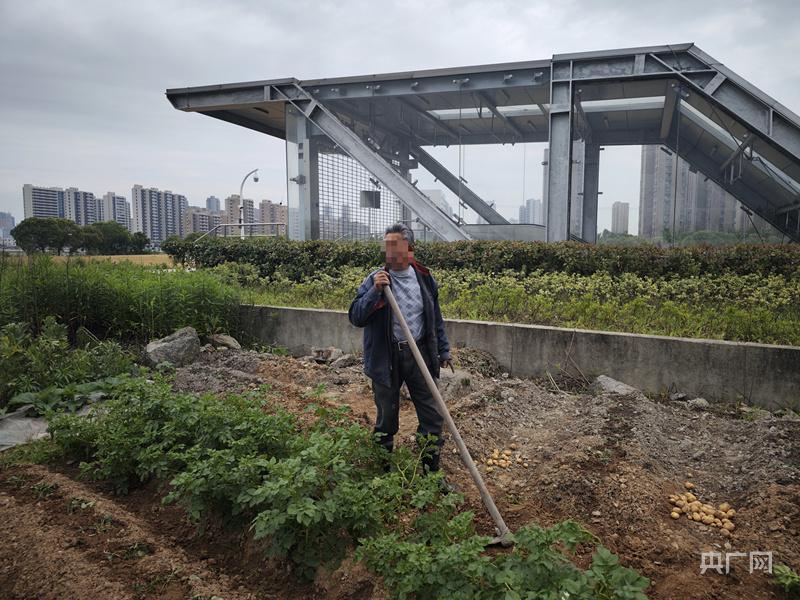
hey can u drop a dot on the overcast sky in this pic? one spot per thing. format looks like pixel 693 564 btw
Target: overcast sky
pixel 82 82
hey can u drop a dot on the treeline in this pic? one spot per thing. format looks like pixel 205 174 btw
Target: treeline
pixel 59 236
pixel 298 260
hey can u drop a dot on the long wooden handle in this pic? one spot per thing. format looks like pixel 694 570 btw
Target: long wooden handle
pixel 488 502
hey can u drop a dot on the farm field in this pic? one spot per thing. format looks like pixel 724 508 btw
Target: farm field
pixel 607 462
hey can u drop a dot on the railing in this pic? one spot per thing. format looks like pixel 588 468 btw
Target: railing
pixel 242 226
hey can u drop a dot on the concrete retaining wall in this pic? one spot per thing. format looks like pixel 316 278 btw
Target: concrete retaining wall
pixel 762 374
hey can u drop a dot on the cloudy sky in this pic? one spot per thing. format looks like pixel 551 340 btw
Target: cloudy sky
pixel 82 82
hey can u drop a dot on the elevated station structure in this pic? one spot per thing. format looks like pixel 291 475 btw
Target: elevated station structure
pixel 353 142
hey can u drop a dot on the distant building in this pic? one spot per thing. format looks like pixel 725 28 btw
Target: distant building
pixel 231 215
pixel 80 206
pixel 42 201
pixel 212 204
pixel 158 214
pixel 7 223
pixel 270 212
pixel 200 220
pixel 619 217
pixel 439 199
pixel 114 208
pixel 531 212
pixel 695 204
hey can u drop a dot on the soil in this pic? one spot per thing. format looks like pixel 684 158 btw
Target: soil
pixel 607 461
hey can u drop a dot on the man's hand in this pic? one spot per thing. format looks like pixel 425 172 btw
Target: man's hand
pixel 381 280
pixel 444 364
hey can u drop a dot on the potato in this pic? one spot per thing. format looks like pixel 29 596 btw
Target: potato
pixel 675 515
pixel 717 523
pixel 690 497
pixel 525 465
pixel 513 446
pixel 685 509
pixel 688 485
pixel 507 452
pixel 680 503
pixel 696 516
pixel 725 533
pixel 708 509
pixel 728 525
pixel 714 524
pixel 724 507
pixel 489 469
pixel 707 520
pixel 731 513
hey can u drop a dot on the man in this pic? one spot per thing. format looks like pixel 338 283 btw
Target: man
pixel 388 360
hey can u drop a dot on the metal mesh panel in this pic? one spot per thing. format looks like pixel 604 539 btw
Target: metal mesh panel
pixel 342 215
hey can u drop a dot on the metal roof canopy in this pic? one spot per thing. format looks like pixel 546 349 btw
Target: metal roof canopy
pixel 672 95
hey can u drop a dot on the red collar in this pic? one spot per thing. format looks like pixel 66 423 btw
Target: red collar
pixel 418 267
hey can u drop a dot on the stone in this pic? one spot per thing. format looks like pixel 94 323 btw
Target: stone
pixel 180 348
pixel 225 341
pixel 607 384
pixel 346 360
pixel 328 354
pixel 677 396
pixel 698 403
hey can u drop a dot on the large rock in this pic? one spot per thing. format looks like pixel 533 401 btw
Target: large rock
pixel 607 384
pixel 348 360
pixel 224 341
pixel 180 348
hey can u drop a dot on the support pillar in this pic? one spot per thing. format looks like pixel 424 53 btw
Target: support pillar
pixel 591 179
pixel 559 166
pixel 302 175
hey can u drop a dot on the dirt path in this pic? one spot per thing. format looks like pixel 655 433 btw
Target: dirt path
pixel 607 461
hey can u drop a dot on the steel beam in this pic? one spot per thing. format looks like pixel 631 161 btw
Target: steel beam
pixel 493 107
pixel 746 194
pixel 668 114
pixel 456 186
pixel 318 114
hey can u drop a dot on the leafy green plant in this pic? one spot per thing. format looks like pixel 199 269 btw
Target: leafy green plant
pixel 43 371
pixel 789 580
pixel 734 307
pixel 310 492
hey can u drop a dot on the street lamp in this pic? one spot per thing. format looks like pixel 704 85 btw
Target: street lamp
pixel 241 201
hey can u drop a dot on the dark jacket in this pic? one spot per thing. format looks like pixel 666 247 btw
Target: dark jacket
pixel 371 311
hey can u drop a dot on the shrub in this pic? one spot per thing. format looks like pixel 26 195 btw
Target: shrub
pixel 297 260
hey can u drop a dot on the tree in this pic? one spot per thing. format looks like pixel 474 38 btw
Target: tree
pixel 107 237
pixel 40 234
pixel 31 235
pixel 139 242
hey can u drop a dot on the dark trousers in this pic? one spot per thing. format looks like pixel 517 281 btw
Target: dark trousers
pixel 387 401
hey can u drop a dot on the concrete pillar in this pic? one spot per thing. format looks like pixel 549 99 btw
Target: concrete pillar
pixel 591 178
pixel 560 154
pixel 302 176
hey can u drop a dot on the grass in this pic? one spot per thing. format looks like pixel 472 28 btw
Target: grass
pixel 117 300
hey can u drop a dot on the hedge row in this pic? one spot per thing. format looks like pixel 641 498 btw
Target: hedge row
pixel 300 259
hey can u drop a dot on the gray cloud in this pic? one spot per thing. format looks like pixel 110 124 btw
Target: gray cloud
pixel 82 96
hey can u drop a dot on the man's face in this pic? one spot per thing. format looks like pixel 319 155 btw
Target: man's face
pixel 398 254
